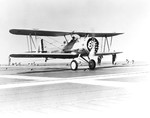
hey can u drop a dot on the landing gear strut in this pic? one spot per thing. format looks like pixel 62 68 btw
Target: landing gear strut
pixel 113 58
pixel 74 65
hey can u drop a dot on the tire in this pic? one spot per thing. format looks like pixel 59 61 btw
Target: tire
pixel 92 64
pixel 74 65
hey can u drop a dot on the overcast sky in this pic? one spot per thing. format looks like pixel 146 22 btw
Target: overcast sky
pixel 131 17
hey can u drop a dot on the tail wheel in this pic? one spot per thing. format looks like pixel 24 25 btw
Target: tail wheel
pixel 74 65
pixel 92 64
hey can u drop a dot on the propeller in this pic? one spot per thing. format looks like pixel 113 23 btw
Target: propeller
pixel 93 42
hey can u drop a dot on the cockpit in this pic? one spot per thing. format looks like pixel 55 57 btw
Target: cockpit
pixel 75 37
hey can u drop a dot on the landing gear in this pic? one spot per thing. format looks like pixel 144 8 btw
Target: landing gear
pixel 92 64
pixel 114 58
pixel 74 65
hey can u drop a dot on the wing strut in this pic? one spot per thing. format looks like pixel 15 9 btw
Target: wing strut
pixel 42 46
pixel 66 39
pixel 9 60
pixel 111 41
pixel 106 44
pixel 32 43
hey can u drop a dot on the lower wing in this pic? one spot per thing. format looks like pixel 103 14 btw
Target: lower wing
pixel 45 55
pixel 56 55
pixel 107 53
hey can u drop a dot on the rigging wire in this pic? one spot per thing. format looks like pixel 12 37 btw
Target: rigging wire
pixel 54 40
pixel 52 44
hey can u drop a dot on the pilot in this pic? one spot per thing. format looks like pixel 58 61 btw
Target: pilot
pixel 75 37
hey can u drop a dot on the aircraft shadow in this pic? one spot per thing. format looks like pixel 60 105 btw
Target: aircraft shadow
pixel 48 70
pixel 45 70
pixel 113 66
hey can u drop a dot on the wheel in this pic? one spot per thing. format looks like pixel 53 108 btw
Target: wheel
pixel 92 64
pixel 74 65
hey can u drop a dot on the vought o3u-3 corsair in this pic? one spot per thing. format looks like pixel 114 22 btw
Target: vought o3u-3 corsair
pixel 82 46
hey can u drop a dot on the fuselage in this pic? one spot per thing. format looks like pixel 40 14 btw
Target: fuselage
pixel 78 46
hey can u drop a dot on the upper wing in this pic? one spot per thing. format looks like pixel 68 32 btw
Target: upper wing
pixel 59 33
pixel 83 34
pixel 107 53
pixel 45 55
pixel 37 32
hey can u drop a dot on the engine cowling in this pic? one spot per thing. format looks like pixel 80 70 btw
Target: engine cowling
pixel 91 42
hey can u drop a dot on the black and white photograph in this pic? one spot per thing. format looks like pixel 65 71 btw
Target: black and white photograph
pixel 74 58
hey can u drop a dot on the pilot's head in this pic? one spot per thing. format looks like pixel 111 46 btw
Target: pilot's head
pixel 75 37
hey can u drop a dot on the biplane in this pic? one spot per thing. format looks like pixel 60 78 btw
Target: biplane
pixel 82 46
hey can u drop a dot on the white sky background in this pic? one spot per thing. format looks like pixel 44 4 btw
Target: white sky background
pixel 131 17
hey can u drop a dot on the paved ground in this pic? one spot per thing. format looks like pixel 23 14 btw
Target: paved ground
pixel 108 91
